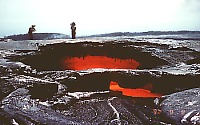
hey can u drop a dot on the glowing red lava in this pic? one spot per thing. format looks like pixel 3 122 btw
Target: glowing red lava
pixel 88 62
pixel 138 92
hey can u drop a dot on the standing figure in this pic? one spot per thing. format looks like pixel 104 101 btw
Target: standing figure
pixel 73 28
pixel 30 32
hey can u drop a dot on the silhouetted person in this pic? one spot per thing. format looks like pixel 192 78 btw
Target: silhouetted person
pixel 73 28
pixel 30 32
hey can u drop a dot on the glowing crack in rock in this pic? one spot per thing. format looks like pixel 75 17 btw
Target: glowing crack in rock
pixel 138 92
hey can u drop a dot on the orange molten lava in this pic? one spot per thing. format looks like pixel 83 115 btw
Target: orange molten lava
pixel 139 92
pixel 88 62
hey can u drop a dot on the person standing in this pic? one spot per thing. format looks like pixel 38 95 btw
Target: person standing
pixel 73 30
pixel 30 32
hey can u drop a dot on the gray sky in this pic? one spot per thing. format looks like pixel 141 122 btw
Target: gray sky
pixel 98 16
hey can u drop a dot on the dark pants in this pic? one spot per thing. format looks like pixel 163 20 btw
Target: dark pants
pixel 73 35
pixel 30 36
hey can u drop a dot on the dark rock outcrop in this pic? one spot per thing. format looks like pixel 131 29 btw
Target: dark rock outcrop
pixel 19 106
pixel 176 106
